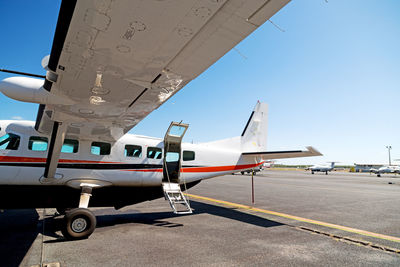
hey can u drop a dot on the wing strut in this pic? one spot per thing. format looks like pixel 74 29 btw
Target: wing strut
pixel 53 155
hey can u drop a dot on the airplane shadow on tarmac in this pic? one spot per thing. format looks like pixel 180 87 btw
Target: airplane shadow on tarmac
pixel 114 218
pixel 20 228
pixel 18 231
pixel 159 218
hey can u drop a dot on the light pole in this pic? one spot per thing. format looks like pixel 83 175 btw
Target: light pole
pixel 389 148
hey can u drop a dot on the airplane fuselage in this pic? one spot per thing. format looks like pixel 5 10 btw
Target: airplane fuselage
pixel 129 172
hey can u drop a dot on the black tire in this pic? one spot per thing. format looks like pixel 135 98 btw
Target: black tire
pixel 326 173
pixel 312 172
pixel 242 173
pixel 378 175
pixel 79 224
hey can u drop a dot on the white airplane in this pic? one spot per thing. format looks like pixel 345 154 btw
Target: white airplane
pixel 268 163
pixel 111 64
pixel 386 169
pixel 321 168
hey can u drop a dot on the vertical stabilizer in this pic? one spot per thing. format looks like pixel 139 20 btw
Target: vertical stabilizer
pixel 254 136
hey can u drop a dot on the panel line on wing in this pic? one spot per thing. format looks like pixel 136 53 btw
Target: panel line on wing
pixel 133 102
pixel 156 78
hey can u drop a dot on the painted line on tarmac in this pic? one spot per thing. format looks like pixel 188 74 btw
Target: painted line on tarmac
pixel 301 219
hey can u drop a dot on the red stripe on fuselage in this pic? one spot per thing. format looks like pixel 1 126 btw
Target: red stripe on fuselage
pixel 206 169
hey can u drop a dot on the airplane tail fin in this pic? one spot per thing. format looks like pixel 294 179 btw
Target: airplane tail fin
pixel 253 141
pixel 254 135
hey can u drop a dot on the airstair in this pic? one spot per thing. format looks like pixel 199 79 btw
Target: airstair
pixel 176 199
pixel 172 169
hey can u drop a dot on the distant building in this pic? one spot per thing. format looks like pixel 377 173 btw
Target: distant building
pixel 366 167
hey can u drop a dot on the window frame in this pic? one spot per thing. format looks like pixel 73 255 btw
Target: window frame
pixel 16 143
pixel 38 138
pixel 98 145
pixel 73 151
pixel 190 151
pixel 156 149
pixel 133 155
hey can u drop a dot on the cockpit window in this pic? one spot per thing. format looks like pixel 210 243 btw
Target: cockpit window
pixel 38 143
pixel 9 141
pixel 100 148
pixel 154 153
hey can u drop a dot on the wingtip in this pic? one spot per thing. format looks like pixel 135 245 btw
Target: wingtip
pixel 314 151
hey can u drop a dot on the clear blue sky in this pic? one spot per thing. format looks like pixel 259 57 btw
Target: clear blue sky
pixel 332 79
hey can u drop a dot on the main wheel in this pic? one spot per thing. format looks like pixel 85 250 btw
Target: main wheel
pixel 79 224
pixel 312 172
pixel 326 173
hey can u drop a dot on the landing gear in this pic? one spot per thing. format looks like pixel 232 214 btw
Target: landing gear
pixel 378 175
pixel 79 223
pixel 312 172
pixel 62 211
pixel 326 172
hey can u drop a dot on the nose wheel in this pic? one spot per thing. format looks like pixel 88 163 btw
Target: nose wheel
pixel 79 223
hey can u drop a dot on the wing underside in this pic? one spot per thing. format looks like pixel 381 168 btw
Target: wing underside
pixel 114 62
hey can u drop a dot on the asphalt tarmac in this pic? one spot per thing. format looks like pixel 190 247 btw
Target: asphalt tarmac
pixel 298 219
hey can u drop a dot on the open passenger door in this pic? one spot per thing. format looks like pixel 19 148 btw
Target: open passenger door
pixel 172 168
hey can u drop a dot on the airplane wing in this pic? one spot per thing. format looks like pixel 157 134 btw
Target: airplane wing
pixel 310 152
pixel 114 62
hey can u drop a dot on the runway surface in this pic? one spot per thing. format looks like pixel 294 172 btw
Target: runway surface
pixel 297 219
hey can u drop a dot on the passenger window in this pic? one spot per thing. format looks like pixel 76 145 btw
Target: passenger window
pixel 38 143
pixel 133 151
pixel 9 141
pixel 100 148
pixel 154 153
pixel 188 155
pixel 70 146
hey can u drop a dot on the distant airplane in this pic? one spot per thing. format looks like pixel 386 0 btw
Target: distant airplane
pixel 321 168
pixel 268 163
pixel 386 169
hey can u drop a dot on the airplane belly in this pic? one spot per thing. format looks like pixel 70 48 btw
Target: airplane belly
pixel 8 174
pixel 32 176
pixel 119 177
pixel 8 171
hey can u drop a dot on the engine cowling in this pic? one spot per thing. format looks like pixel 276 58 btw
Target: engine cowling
pixel 31 90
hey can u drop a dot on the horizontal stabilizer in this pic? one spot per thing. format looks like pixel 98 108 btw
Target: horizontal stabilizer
pixel 310 152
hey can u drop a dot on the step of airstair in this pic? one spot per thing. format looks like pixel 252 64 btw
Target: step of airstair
pixel 176 199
